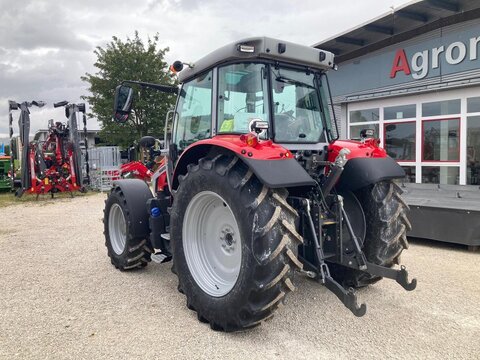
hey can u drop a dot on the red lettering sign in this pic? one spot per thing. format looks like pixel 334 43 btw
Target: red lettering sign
pixel 400 63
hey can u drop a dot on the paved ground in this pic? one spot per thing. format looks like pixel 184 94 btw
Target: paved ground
pixel 60 298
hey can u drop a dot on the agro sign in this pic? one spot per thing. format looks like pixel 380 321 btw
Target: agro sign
pixel 421 61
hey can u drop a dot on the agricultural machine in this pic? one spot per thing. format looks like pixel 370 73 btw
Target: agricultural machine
pixel 257 186
pixel 52 165
pixel 145 169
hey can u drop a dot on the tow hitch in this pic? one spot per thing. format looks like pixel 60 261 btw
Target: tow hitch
pixel 348 296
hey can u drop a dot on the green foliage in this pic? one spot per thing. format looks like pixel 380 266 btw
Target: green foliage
pixel 130 60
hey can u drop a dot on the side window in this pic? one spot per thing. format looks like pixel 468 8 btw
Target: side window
pixel 194 111
pixel 241 90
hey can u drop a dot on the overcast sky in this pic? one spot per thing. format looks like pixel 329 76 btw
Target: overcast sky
pixel 45 46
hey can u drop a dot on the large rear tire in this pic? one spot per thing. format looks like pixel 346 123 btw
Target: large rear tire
pixel 386 232
pixel 234 244
pixel 126 250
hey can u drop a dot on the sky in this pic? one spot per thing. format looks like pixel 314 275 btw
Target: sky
pixel 47 45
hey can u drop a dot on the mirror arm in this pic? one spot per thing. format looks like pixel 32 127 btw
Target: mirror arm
pixel 162 88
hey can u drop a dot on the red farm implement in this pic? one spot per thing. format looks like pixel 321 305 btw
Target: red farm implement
pixel 51 165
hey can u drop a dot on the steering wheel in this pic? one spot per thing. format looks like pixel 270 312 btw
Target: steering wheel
pixel 285 124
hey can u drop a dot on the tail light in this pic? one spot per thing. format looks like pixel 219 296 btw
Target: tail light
pixel 250 139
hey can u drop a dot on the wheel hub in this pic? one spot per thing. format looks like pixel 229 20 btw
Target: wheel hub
pixel 227 239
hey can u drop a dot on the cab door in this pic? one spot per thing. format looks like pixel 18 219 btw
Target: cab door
pixel 193 121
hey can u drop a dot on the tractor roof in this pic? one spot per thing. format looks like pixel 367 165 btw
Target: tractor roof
pixel 262 48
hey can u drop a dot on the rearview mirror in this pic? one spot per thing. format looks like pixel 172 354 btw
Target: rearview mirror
pixel 367 133
pixel 123 103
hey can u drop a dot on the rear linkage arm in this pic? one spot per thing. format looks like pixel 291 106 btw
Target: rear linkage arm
pixel 348 297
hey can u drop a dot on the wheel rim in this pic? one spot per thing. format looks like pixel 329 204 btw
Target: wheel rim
pixel 212 243
pixel 117 229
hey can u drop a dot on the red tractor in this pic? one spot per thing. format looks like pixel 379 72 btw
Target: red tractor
pixel 256 187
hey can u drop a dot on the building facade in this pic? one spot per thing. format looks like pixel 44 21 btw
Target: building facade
pixel 413 75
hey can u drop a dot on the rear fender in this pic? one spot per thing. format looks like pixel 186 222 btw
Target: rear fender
pixel 136 194
pixel 271 163
pixel 367 164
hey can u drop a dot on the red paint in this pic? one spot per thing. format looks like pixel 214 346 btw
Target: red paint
pixel 263 150
pixel 367 149
pixel 137 169
pixel 162 183
pixel 161 180
pixel 400 63
pixel 423 142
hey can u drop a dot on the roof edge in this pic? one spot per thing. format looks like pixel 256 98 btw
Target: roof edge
pixel 381 16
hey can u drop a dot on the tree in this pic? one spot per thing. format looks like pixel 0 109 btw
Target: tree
pixel 130 60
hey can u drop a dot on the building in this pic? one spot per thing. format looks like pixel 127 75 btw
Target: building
pixel 413 75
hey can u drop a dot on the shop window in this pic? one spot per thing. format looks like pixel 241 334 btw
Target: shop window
pixel 448 175
pixel 355 130
pixel 441 140
pixel 447 107
pixel 409 174
pixel 473 150
pixel 400 112
pixel 400 140
pixel 473 104
pixel 364 115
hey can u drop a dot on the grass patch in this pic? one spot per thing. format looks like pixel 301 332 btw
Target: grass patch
pixel 8 198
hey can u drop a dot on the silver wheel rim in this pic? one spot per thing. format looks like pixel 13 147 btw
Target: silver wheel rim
pixel 212 243
pixel 117 229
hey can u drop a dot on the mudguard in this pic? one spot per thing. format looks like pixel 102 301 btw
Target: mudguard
pixel 274 165
pixel 361 172
pixel 136 194
pixel 279 173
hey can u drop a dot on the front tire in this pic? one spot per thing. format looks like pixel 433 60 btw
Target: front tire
pixel 126 250
pixel 234 244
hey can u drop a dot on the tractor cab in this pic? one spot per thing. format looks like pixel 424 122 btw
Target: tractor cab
pixel 281 87
pixel 290 102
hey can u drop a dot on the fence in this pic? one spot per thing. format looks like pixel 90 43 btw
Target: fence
pixel 104 165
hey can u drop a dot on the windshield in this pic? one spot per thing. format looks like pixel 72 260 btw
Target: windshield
pixel 297 114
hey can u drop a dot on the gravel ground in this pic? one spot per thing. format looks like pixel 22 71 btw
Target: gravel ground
pixel 60 298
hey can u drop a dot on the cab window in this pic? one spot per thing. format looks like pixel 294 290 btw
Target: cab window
pixel 297 114
pixel 194 111
pixel 241 97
